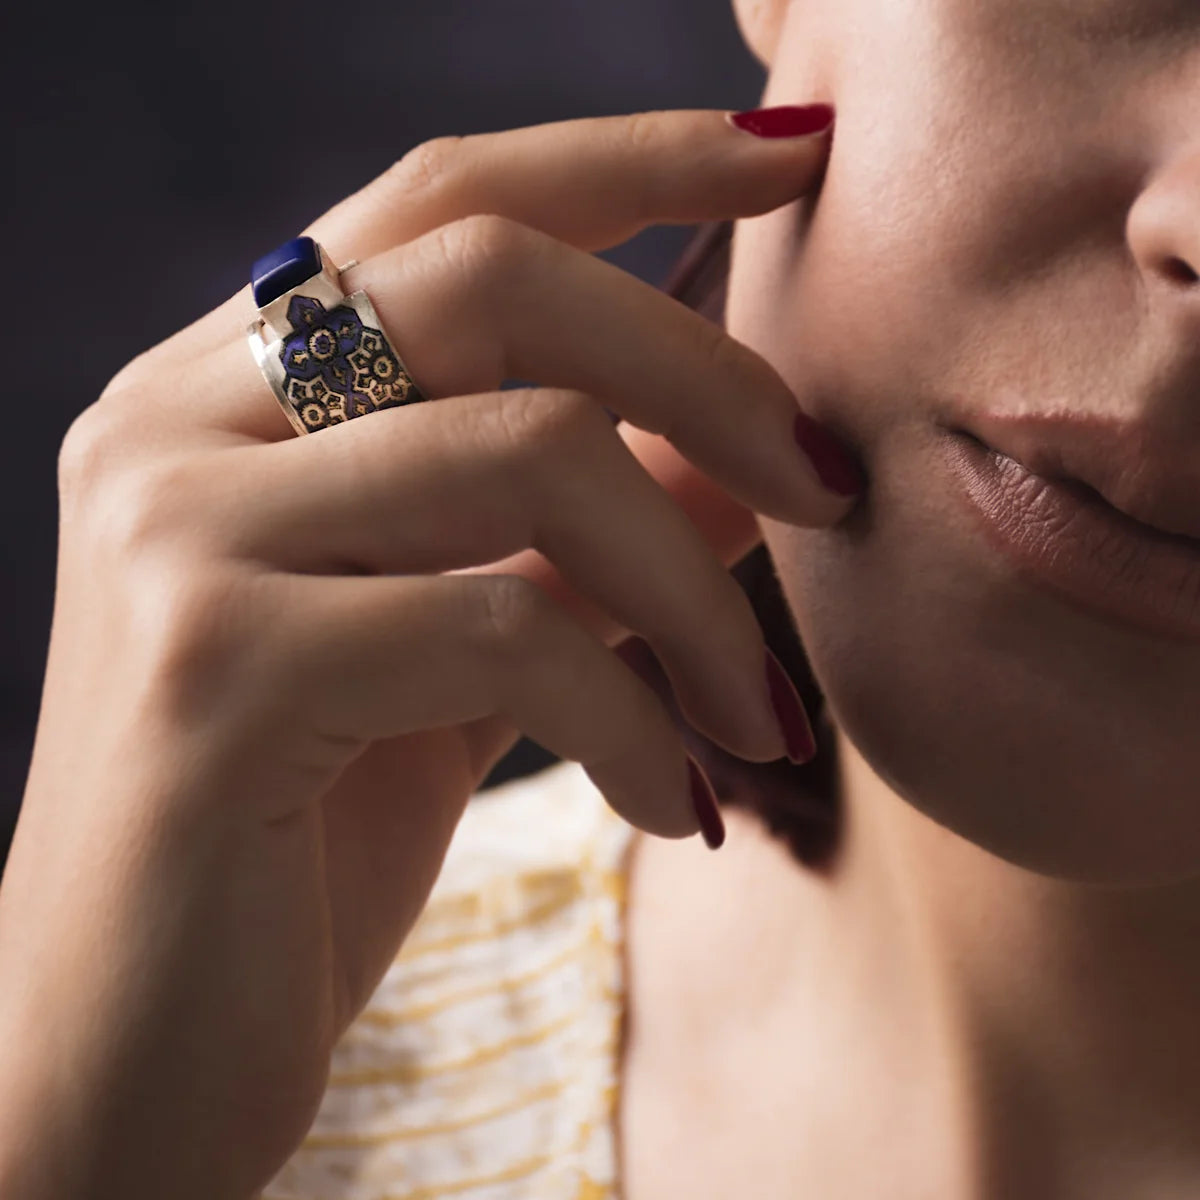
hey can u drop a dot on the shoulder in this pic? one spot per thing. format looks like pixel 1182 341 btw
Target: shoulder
pixel 489 1050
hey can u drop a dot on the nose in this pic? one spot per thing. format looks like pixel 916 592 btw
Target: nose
pixel 1160 479
pixel 1163 231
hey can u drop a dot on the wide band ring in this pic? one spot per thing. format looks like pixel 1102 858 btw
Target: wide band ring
pixel 324 353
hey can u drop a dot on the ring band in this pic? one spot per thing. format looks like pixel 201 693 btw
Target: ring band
pixel 324 353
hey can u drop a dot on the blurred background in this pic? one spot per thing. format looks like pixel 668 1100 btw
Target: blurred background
pixel 158 149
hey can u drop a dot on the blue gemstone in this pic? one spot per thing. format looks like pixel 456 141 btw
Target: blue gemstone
pixel 284 269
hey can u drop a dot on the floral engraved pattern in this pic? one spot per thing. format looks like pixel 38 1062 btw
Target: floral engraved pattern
pixel 337 368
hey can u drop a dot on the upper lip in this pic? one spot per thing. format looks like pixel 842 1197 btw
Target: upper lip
pixel 1123 463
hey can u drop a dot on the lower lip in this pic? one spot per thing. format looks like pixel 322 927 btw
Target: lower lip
pixel 1061 537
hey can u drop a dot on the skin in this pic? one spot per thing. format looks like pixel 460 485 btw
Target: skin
pixel 248 767
pixel 1009 184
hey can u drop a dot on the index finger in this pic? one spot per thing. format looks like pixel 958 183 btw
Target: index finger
pixel 592 182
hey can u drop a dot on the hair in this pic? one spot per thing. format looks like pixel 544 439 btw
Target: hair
pixel 799 805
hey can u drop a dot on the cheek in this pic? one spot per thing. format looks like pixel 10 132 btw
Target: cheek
pixel 970 199
pixel 847 304
pixel 861 281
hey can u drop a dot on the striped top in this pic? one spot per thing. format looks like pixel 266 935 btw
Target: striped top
pixel 485 1064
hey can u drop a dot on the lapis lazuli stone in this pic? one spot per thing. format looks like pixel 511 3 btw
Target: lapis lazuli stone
pixel 284 269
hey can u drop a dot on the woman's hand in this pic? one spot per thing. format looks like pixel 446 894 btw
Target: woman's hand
pixel 280 665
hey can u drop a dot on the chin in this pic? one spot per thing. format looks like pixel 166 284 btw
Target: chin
pixel 1050 737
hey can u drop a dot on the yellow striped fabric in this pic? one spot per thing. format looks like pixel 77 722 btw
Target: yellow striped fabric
pixel 485 1065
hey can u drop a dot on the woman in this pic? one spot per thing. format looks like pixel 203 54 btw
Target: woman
pixel 269 700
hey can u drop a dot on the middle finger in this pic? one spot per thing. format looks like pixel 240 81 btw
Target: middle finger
pixel 486 299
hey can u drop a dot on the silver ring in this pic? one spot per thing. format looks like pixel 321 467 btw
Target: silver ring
pixel 324 354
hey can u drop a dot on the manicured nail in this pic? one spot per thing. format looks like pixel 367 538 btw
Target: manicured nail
pixel 784 121
pixel 836 468
pixel 789 708
pixel 705 803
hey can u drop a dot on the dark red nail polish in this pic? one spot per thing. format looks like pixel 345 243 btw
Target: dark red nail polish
pixel 705 803
pixel 785 120
pixel 797 733
pixel 837 470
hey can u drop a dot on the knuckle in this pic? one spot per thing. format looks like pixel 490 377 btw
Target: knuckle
pixel 721 357
pixel 537 422
pixel 643 131
pixel 426 165
pixel 84 455
pixel 132 373
pixel 726 356
pixel 153 500
pixel 203 637
pixel 720 352
pixel 486 246
pixel 131 511
pixel 508 610
pixel 193 620
pixel 102 441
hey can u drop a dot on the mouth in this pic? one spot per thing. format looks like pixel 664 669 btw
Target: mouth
pixel 1062 536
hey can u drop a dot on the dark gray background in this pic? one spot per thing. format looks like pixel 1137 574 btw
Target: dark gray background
pixel 157 149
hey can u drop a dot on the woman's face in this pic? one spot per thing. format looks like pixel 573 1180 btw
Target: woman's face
pixel 1009 225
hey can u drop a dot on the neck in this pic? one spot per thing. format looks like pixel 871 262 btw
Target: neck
pixel 990 1032
pixel 1069 1010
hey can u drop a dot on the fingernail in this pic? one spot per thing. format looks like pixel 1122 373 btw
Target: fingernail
pixel 836 468
pixel 704 801
pixel 789 708
pixel 784 121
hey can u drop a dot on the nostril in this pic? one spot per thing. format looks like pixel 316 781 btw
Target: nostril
pixel 1180 271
